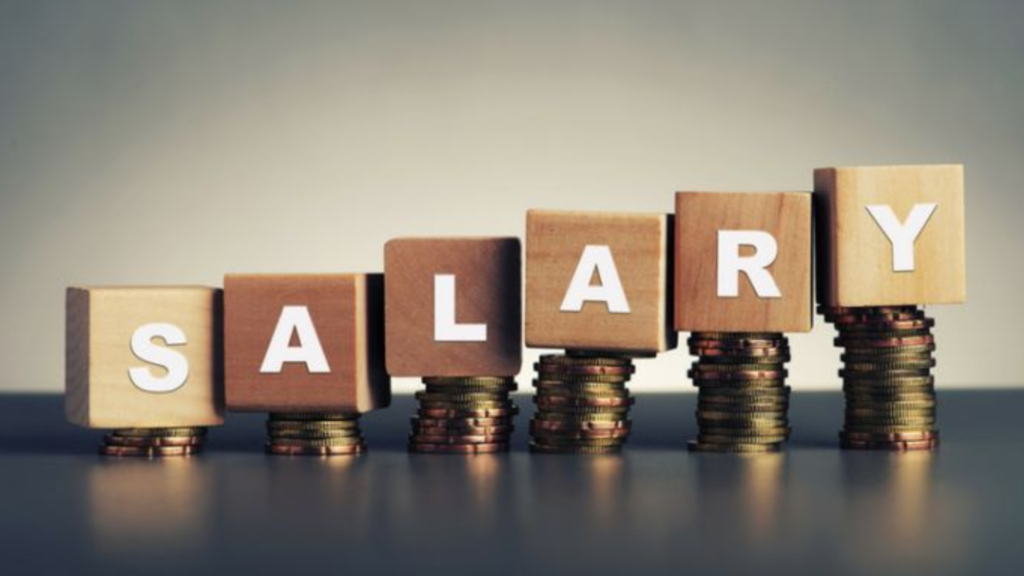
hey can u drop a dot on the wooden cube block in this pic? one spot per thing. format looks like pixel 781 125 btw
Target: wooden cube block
pixel 305 342
pixel 453 306
pixel 598 281
pixel 891 235
pixel 147 357
pixel 743 262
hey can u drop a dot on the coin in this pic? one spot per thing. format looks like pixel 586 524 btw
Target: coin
pixel 470 381
pixel 284 450
pixel 895 445
pixel 113 440
pixel 580 450
pixel 151 432
pixel 149 451
pixel 482 448
pixel 696 446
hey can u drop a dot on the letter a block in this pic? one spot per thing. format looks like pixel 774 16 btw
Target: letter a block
pixel 743 262
pixel 144 357
pixel 311 342
pixel 453 306
pixel 598 281
pixel 890 235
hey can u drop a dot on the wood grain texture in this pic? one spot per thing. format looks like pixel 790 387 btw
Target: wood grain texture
pixel 100 325
pixel 347 312
pixel 640 247
pixel 488 290
pixel 699 218
pixel 855 262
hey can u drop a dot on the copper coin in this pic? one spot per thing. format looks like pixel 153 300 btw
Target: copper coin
pixel 696 446
pixel 895 445
pixel 779 352
pixel 463 422
pixel 891 437
pixel 562 359
pixel 555 425
pixel 421 438
pixel 749 439
pixel 546 400
pixel 609 433
pixel 583 369
pixel 315 434
pixel 578 450
pixel 463 414
pixel 497 381
pixel 886 342
pixel 565 441
pixel 150 451
pixel 154 440
pixel 176 431
pixel 307 416
pixel 744 375
pixel 458 448
pixel 280 450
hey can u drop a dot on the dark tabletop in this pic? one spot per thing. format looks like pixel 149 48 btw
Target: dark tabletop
pixel 656 509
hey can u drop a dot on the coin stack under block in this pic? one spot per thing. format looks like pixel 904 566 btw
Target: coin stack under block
pixel 582 403
pixel 314 434
pixel 887 378
pixel 742 399
pixel 464 415
pixel 154 442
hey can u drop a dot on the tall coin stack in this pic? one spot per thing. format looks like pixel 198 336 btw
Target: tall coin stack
pixel 887 379
pixel 582 403
pixel 314 434
pixel 742 399
pixel 154 442
pixel 464 415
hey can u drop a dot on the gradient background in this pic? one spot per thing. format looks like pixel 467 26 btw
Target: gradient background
pixel 159 142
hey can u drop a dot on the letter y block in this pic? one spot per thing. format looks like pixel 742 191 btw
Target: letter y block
pixel 890 235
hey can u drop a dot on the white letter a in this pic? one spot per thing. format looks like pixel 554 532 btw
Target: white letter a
pixel 609 291
pixel 295 319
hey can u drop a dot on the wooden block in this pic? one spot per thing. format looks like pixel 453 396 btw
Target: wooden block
pixel 310 342
pixel 144 357
pixel 453 306
pixel 598 281
pixel 922 207
pixel 726 277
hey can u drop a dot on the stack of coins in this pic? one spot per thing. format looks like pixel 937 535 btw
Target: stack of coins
pixel 742 399
pixel 314 434
pixel 582 403
pixel 464 415
pixel 887 379
pixel 154 442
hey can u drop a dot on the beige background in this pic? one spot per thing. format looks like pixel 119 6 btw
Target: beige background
pixel 146 142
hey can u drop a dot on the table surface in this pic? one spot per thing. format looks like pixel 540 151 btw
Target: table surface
pixel 654 509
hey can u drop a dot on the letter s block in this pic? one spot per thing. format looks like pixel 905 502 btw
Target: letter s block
pixel 453 306
pixel 890 235
pixel 147 357
pixel 743 262
pixel 305 342
pixel 598 281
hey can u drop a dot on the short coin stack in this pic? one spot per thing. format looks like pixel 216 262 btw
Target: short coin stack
pixel 887 379
pixel 742 399
pixel 582 403
pixel 154 442
pixel 314 434
pixel 464 415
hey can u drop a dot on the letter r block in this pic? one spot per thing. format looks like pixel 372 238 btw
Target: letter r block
pixel 453 306
pixel 890 235
pixel 743 262
pixel 598 281
pixel 305 342
pixel 102 324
